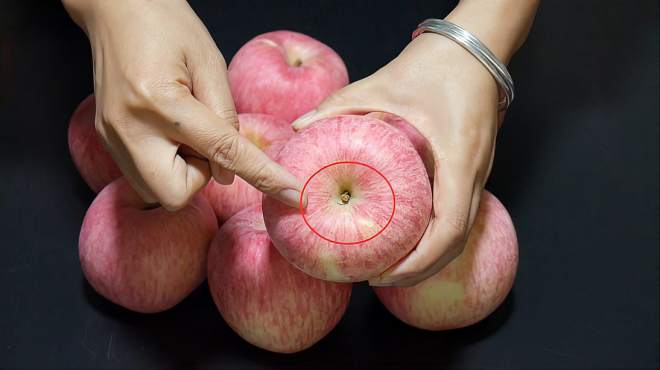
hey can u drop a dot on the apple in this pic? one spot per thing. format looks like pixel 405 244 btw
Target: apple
pixel 90 157
pixel 264 299
pixel 285 74
pixel 416 138
pixel 269 134
pixel 360 217
pixel 144 259
pixel 470 287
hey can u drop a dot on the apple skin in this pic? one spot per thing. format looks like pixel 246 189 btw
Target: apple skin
pixel 269 134
pixel 416 138
pixel 469 288
pixel 93 162
pixel 146 260
pixel 369 141
pixel 264 299
pixel 285 74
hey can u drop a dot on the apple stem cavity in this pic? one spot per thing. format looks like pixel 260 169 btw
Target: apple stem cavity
pixel 344 197
pixel 293 60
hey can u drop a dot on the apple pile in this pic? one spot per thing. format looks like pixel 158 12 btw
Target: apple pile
pixel 281 277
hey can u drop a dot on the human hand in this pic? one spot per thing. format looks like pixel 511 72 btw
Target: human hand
pixel 164 108
pixel 452 100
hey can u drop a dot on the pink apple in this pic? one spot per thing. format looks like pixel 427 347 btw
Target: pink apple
pixel 285 74
pixel 472 286
pixel 268 302
pixel 90 157
pixel 416 138
pixel 144 259
pixel 268 133
pixel 353 229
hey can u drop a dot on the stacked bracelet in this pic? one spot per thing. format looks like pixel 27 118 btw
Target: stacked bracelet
pixel 476 48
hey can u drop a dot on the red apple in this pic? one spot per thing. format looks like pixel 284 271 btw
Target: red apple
pixel 264 299
pixel 144 259
pixel 360 217
pixel 416 138
pixel 90 157
pixel 472 286
pixel 268 133
pixel 285 74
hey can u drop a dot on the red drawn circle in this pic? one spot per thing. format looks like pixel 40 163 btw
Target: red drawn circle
pixel 302 209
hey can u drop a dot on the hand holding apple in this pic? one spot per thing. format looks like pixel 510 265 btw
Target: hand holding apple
pixel 365 215
pixel 451 99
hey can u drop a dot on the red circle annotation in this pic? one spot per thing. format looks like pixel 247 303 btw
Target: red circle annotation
pixel 302 209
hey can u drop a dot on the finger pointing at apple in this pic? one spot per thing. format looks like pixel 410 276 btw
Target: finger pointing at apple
pixel 164 109
pixel 206 133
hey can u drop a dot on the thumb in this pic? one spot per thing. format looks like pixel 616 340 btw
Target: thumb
pixel 348 100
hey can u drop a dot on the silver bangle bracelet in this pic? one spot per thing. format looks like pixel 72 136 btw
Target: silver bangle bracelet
pixel 476 48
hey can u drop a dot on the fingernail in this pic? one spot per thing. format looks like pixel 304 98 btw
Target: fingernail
pixel 300 121
pixel 289 197
pixel 386 281
pixel 391 280
pixel 221 177
pixel 379 283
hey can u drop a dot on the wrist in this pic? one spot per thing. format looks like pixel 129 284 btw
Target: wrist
pixel 437 53
pixel 502 25
pixel 88 13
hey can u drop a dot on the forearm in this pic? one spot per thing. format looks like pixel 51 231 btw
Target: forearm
pixel 502 25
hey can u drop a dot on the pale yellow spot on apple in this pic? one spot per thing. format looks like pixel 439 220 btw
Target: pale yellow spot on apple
pixel 439 294
pixel 330 267
pixel 269 42
pixel 367 226
pixel 263 328
pixel 256 140
pixel 366 223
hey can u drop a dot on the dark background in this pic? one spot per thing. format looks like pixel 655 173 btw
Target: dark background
pixel 576 165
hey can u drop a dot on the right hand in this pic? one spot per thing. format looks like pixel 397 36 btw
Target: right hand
pixel 163 106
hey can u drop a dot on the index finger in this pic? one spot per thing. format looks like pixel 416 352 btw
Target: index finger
pixel 216 138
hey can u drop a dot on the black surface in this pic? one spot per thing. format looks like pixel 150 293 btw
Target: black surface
pixel 576 165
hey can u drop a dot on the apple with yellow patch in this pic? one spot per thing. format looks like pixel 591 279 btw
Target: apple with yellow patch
pixel 469 288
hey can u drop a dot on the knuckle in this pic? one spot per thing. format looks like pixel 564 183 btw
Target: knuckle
pixel 229 116
pixel 154 93
pixel 263 181
pixel 225 151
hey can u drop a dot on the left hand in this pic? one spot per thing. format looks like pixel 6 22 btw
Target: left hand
pixel 452 100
